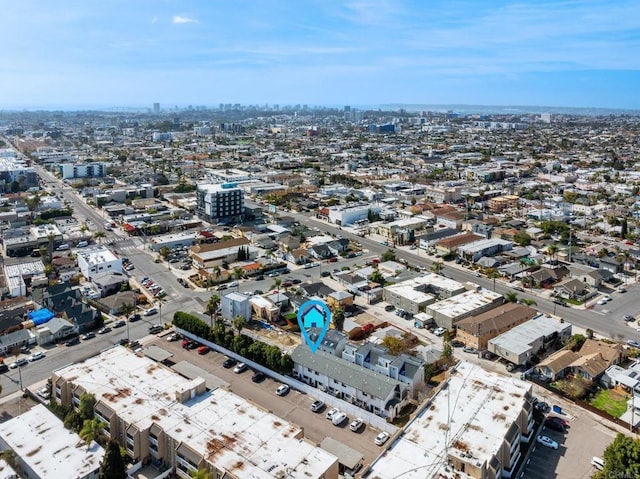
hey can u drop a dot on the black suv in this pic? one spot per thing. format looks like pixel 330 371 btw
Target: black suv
pixel 73 341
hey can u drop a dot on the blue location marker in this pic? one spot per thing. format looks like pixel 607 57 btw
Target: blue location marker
pixel 314 314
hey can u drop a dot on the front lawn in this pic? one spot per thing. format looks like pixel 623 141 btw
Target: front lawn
pixel 611 401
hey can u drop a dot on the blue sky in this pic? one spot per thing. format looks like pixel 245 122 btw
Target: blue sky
pixel 319 52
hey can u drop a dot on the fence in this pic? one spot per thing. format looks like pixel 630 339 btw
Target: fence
pixel 583 404
pixel 331 401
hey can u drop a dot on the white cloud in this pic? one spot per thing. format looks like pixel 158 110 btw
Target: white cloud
pixel 154 19
pixel 178 20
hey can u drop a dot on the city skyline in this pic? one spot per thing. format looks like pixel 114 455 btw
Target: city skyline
pixel 360 52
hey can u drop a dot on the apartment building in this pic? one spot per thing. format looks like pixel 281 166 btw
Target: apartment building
pixel 521 342
pixel 472 428
pixel 220 203
pixel 82 170
pixel 501 203
pixel 45 449
pixel 161 417
pixel 476 331
pixel 98 259
pixel 367 389
pixel 448 312
pixel 235 304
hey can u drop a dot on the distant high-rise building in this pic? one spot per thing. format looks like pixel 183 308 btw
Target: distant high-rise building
pixel 156 107
pixel 347 108
pixel 545 117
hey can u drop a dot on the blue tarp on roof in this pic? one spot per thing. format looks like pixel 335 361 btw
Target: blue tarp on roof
pixel 41 316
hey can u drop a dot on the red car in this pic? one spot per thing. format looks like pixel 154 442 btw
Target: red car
pixel 185 342
pixel 333 260
pixel 367 328
pixel 203 350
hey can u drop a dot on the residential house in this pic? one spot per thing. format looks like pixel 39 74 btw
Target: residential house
pixel 340 299
pixel 592 360
pixel 450 246
pixel 573 289
pixel 109 283
pixel 614 264
pixel 319 251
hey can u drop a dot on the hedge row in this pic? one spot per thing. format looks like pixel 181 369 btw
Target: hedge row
pixel 257 351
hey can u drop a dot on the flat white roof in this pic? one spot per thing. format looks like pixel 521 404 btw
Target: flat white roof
pixel 95 255
pixel 182 236
pixel 245 439
pixel 464 303
pixel 519 338
pixel 480 245
pixel 438 281
pixel 473 413
pixel 49 449
pixel 407 292
pixel 43 231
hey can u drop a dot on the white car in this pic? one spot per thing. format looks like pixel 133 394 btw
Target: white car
pixel 338 418
pixel 547 442
pixel 356 424
pixel 332 412
pixel 382 438
pixel 282 390
pixel 36 356
pixel 18 363
pixel 150 312
pixel 240 368
pixel 439 331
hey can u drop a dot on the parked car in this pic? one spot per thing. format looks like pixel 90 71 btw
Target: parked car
pixel 382 438
pixel 36 356
pixel 470 350
pixel 120 324
pixel 332 412
pixel 629 317
pixel 203 349
pixel 233 284
pixel 356 424
pixel 283 390
pixel 44 393
pixel 324 274
pixel 173 337
pixel 89 335
pixel 18 363
pixel 258 377
pixel 150 311
pixel 317 405
pixel 240 368
pixel 555 424
pixel 634 344
pixel 134 317
pixel 155 329
pixel 389 307
pixel 104 330
pixel 457 343
pixel 229 363
pixel 439 331
pixel 542 406
pixel 338 418
pixel 192 345
pixel 547 442
pixel 73 341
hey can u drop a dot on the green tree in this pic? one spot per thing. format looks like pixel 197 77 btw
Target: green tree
pixel 437 267
pixel 522 238
pixel 126 309
pixel 337 318
pixel 377 277
pixel 91 431
pixel 621 458
pixel 429 371
pixel 164 252
pixel 86 406
pixel 239 323
pixel 99 234
pixel 276 284
pixel 388 255
pixel 112 466
pixel 200 474
pixel 394 345
pixel 447 347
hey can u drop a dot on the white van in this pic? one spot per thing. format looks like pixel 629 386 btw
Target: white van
pixel 597 463
pixel 83 244
pixel 62 247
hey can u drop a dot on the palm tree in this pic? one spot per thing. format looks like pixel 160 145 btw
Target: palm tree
pixel 237 274
pixel 493 273
pixel 239 323
pixel 99 234
pixel 126 309
pixel 276 284
pixel 552 249
pixel 91 430
pixel 511 297
pixel 212 307
pixel 337 318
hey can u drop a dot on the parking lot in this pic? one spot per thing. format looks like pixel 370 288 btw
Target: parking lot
pixel 294 407
pixel 585 437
